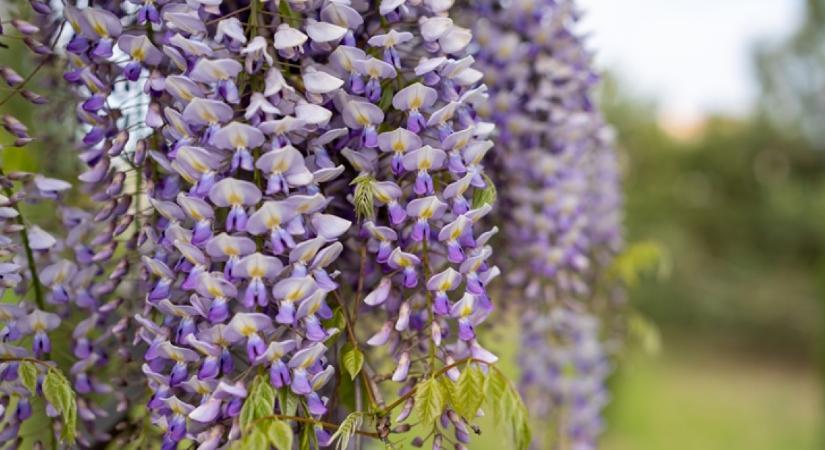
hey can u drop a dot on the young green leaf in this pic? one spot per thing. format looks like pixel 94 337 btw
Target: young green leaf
pixel 308 438
pixel 468 392
pixel 364 196
pixel 279 434
pixel 497 386
pixel 287 401
pixel 28 375
pixel 508 407
pixel 353 360
pixel 259 403
pixel 58 391
pixel 485 196
pixel 347 429
pixel 429 400
pixel 255 440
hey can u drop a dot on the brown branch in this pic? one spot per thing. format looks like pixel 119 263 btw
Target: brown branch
pixel 327 425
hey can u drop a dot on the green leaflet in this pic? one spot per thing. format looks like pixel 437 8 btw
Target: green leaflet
pixel 260 402
pixel 347 429
pixel 637 259
pixel 28 375
pixel 254 440
pixel 352 359
pixel 58 391
pixel 287 401
pixel 291 17
pixel 364 196
pixel 468 393
pixel 485 196
pixel 308 438
pixel 430 397
pixel 508 407
pixel 279 434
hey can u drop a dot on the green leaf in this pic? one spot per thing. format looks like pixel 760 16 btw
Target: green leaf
pixel 279 434
pixel 644 333
pixel 508 407
pixel 308 438
pixel 255 440
pixel 288 14
pixel 429 401
pixel 638 259
pixel 386 97
pixel 28 375
pixel 259 403
pixel 287 401
pixel 58 391
pixel 485 196
pixel 468 392
pixel 347 429
pixel 497 386
pixel 337 321
pixel 364 196
pixel 352 359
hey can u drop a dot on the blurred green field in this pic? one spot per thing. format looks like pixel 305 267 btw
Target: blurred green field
pixel 699 396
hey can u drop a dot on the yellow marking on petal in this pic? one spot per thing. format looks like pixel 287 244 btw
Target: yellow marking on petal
pixel 39 325
pixel 466 310
pixel 234 198
pixel 416 102
pixel 231 250
pixel 208 117
pixel 382 197
pixel 176 355
pixel 139 53
pixel 248 330
pixel 455 233
pixel 100 28
pixel 239 141
pixel 315 307
pixel 257 271
pixel 273 221
pixel 294 295
pixel 362 119
pixel 215 291
pixel 177 409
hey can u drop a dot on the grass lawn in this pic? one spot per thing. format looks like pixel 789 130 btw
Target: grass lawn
pixel 697 397
pixel 693 398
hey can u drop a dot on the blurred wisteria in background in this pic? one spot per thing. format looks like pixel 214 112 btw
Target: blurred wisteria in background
pixel 280 224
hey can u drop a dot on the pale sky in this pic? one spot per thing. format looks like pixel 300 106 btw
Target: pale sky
pixel 692 56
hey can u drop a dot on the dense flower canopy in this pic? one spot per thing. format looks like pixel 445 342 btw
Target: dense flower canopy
pixel 290 217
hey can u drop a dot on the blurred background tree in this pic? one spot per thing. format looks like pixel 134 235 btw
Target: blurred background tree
pixel 738 203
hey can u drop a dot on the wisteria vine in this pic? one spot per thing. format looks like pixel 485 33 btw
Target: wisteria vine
pixel 282 231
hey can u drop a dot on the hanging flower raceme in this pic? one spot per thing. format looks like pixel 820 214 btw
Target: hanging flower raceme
pixel 29 266
pixel 558 177
pixel 275 187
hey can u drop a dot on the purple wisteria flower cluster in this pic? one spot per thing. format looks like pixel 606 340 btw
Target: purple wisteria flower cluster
pixel 559 186
pixel 285 213
pixel 26 325
pixel 272 142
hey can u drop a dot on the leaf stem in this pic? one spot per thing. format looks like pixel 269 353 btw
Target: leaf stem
pixel 24 235
pixel 327 425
